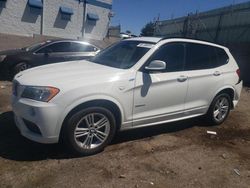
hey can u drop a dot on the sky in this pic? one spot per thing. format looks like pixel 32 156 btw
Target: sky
pixel 132 15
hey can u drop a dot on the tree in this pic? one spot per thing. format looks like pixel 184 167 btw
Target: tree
pixel 148 29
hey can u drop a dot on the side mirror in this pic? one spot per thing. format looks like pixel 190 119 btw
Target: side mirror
pixel 156 65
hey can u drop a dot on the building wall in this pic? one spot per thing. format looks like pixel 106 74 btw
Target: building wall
pixel 114 31
pixel 18 18
pixel 97 29
pixel 17 41
pixel 54 25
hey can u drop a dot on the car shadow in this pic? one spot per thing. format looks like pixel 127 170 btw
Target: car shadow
pixel 146 132
pixel 4 77
pixel 13 146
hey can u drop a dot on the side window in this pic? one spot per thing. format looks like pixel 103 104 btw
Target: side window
pixel 200 56
pixel 56 48
pixel 79 47
pixel 172 54
pixel 222 57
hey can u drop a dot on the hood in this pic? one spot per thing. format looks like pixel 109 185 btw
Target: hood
pixel 67 73
pixel 12 52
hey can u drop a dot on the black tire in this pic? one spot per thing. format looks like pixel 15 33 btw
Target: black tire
pixel 211 119
pixel 20 67
pixel 68 134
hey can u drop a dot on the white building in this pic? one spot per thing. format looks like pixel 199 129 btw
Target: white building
pixel 59 18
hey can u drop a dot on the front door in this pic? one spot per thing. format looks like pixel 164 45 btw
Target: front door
pixel 53 53
pixel 160 96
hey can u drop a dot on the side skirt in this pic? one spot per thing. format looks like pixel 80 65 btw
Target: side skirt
pixel 167 118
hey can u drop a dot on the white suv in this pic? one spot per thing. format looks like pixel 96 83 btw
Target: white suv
pixel 134 83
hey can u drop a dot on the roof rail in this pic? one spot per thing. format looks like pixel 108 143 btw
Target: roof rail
pixel 164 38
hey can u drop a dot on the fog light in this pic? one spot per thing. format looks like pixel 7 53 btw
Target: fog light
pixel 32 127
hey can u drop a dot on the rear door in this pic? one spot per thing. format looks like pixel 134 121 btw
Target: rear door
pixel 54 53
pixel 205 77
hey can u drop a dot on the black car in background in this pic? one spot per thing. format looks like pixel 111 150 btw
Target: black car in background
pixel 54 51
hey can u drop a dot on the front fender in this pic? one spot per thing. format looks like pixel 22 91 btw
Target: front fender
pixel 83 100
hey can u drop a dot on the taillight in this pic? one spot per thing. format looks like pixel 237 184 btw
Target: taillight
pixel 238 72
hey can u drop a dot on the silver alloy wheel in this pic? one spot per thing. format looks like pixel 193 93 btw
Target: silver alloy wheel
pixel 221 109
pixel 92 130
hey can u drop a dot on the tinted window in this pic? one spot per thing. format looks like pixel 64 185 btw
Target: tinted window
pixel 35 46
pixel 79 47
pixel 66 17
pixel 222 57
pixel 56 48
pixel 172 54
pixel 123 54
pixel 200 57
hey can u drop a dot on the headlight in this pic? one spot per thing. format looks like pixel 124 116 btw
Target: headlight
pixel 44 94
pixel 2 57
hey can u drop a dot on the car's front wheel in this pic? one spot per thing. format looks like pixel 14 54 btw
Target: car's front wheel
pixel 219 109
pixel 88 131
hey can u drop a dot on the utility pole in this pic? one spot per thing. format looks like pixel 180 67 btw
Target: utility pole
pixel 218 29
pixel 185 26
pixel 42 18
pixel 84 17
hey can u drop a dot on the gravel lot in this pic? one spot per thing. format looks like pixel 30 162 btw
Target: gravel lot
pixel 178 154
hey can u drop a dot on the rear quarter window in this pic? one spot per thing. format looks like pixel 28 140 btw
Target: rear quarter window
pixel 222 57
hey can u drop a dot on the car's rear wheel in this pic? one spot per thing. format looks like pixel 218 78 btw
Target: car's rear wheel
pixel 20 67
pixel 219 109
pixel 88 131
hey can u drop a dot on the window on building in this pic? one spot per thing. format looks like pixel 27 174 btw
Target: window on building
pixel 66 17
pixel 66 13
pixel 93 17
pixel 2 4
pixel 35 4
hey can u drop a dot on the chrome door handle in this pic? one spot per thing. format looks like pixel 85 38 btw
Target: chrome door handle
pixel 182 78
pixel 217 73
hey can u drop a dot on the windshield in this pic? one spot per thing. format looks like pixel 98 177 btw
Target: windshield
pixel 123 55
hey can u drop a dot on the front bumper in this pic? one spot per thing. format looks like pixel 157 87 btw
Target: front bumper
pixel 43 115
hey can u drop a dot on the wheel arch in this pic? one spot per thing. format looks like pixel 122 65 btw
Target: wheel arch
pixel 12 67
pixel 228 90
pixel 16 62
pixel 114 107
